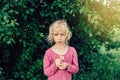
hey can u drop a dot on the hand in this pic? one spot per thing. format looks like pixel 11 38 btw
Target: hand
pixel 63 66
pixel 58 62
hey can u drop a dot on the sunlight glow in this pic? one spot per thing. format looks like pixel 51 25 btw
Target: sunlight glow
pixel 106 2
pixel 106 15
pixel 117 35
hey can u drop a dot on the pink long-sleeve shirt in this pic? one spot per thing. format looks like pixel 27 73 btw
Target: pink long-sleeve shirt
pixel 53 72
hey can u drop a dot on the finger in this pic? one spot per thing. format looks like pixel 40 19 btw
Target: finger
pixel 61 57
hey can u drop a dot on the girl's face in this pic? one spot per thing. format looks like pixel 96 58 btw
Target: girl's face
pixel 59 37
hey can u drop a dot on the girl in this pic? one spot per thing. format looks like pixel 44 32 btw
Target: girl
pixel 60 61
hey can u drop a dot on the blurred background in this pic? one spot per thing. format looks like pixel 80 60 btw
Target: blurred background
pixel 24 25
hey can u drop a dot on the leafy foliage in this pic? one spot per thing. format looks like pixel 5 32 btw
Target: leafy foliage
pixel 24 28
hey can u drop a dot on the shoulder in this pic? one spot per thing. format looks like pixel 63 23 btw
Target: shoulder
pixel 73 51
pixel 48 51
pixel 72 48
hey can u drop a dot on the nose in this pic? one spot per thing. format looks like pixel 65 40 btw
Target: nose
pixel 59 37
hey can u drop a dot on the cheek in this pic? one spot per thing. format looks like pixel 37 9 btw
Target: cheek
pixel 66 37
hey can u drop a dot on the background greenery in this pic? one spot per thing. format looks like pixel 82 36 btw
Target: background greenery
pixel 24 27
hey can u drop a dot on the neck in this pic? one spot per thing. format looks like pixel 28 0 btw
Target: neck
pixel 60 45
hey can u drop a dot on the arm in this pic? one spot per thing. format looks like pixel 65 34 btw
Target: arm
pixel 49 68
pixel 73 68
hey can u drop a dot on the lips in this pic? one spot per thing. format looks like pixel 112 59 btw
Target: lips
pixel 59 41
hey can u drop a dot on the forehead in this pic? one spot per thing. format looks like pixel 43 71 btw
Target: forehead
pixel 59 31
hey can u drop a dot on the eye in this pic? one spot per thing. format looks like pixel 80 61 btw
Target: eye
pixel 62 34
pixel 55 34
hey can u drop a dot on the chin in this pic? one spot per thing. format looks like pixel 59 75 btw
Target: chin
pixel 59 42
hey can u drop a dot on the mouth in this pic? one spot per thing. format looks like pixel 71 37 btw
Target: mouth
pixel 59 41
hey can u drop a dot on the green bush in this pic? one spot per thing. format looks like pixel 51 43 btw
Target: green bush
pixel 23 30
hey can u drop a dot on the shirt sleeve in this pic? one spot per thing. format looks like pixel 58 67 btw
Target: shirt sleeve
pixel 49 68
pixel 73 68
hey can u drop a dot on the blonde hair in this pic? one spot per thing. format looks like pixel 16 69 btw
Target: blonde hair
pixel 59 25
